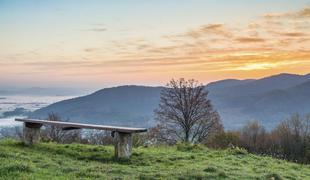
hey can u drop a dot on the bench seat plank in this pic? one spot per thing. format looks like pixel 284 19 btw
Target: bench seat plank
pixel 70 125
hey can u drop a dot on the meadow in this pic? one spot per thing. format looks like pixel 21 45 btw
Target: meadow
pixel 79 161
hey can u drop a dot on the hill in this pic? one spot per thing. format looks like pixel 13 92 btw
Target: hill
pixel 125 105
pixel 259 86
pixel 268 100
pixel 39 91
pixel 77 161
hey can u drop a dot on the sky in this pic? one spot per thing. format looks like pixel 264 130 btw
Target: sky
pixel 94 43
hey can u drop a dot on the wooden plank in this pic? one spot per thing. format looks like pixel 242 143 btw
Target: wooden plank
pixel 68 125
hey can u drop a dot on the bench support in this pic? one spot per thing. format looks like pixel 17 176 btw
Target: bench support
pixel 31 133
pixel 123 145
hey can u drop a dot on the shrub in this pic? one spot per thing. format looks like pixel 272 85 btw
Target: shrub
pixel 17 168
pixel 210 169
pixel 188 147
pixel 238 151
pixel 273 176
pixel 222 174
pixel 224 140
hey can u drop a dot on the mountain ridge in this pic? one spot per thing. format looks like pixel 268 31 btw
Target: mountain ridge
pixel 268 100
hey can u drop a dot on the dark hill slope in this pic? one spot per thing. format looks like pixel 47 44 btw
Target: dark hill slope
pixel 125 105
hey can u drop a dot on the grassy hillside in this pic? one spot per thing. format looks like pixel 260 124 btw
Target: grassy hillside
pixel 76 161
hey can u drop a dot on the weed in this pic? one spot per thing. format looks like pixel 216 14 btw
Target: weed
pixel 274 176
pixel 210 169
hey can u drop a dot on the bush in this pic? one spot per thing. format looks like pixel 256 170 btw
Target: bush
pixel 224 140
pixel 238 151
pixel 188 147
pixel 17 168
pixel 290 140
pixel 274 176
pixel 210 169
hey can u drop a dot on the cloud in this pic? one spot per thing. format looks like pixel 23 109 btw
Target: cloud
pixel 96 29
pixel 303 13
pixel 294 34
pixel 91 49
pixel 209 30
pixel 262 65
pixel 253 25
pixel 275 15
pixel 249 40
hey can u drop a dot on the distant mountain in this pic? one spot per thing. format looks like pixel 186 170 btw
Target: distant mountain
pixel 124 105
pixel 268 100
pixel 227 83
pixel 39 91
pixel 251 87
pixel 15 112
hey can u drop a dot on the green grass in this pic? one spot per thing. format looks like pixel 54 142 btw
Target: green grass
pixel 76 161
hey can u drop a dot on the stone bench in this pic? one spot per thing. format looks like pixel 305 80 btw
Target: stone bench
pixel 123 135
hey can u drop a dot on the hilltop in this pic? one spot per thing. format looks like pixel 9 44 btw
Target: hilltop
pixel 77 161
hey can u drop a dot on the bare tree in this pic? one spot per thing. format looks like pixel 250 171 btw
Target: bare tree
pixel 289 140
pixel 185 113
pixel 99 137
pixel 57 134
pixel 253 137
pixel 294 138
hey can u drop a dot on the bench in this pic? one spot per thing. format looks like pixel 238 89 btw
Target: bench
pixel 123 135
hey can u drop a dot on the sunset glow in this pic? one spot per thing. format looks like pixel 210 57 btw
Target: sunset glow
pixel 101 43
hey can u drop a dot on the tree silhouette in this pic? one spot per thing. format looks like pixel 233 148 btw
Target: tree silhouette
pixel 185 113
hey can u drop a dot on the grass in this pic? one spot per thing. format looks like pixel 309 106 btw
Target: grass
pixel 77 161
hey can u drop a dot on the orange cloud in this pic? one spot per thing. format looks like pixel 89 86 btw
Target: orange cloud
pixel 304 13
pixel 209 30
pixel 294 34
pixel 249 40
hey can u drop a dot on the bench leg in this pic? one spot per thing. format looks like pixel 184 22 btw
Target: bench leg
pixel 123 145
pixel 31 133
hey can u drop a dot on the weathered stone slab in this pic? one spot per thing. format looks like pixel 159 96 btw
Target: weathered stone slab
pixel 123 145
pixel 31 134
